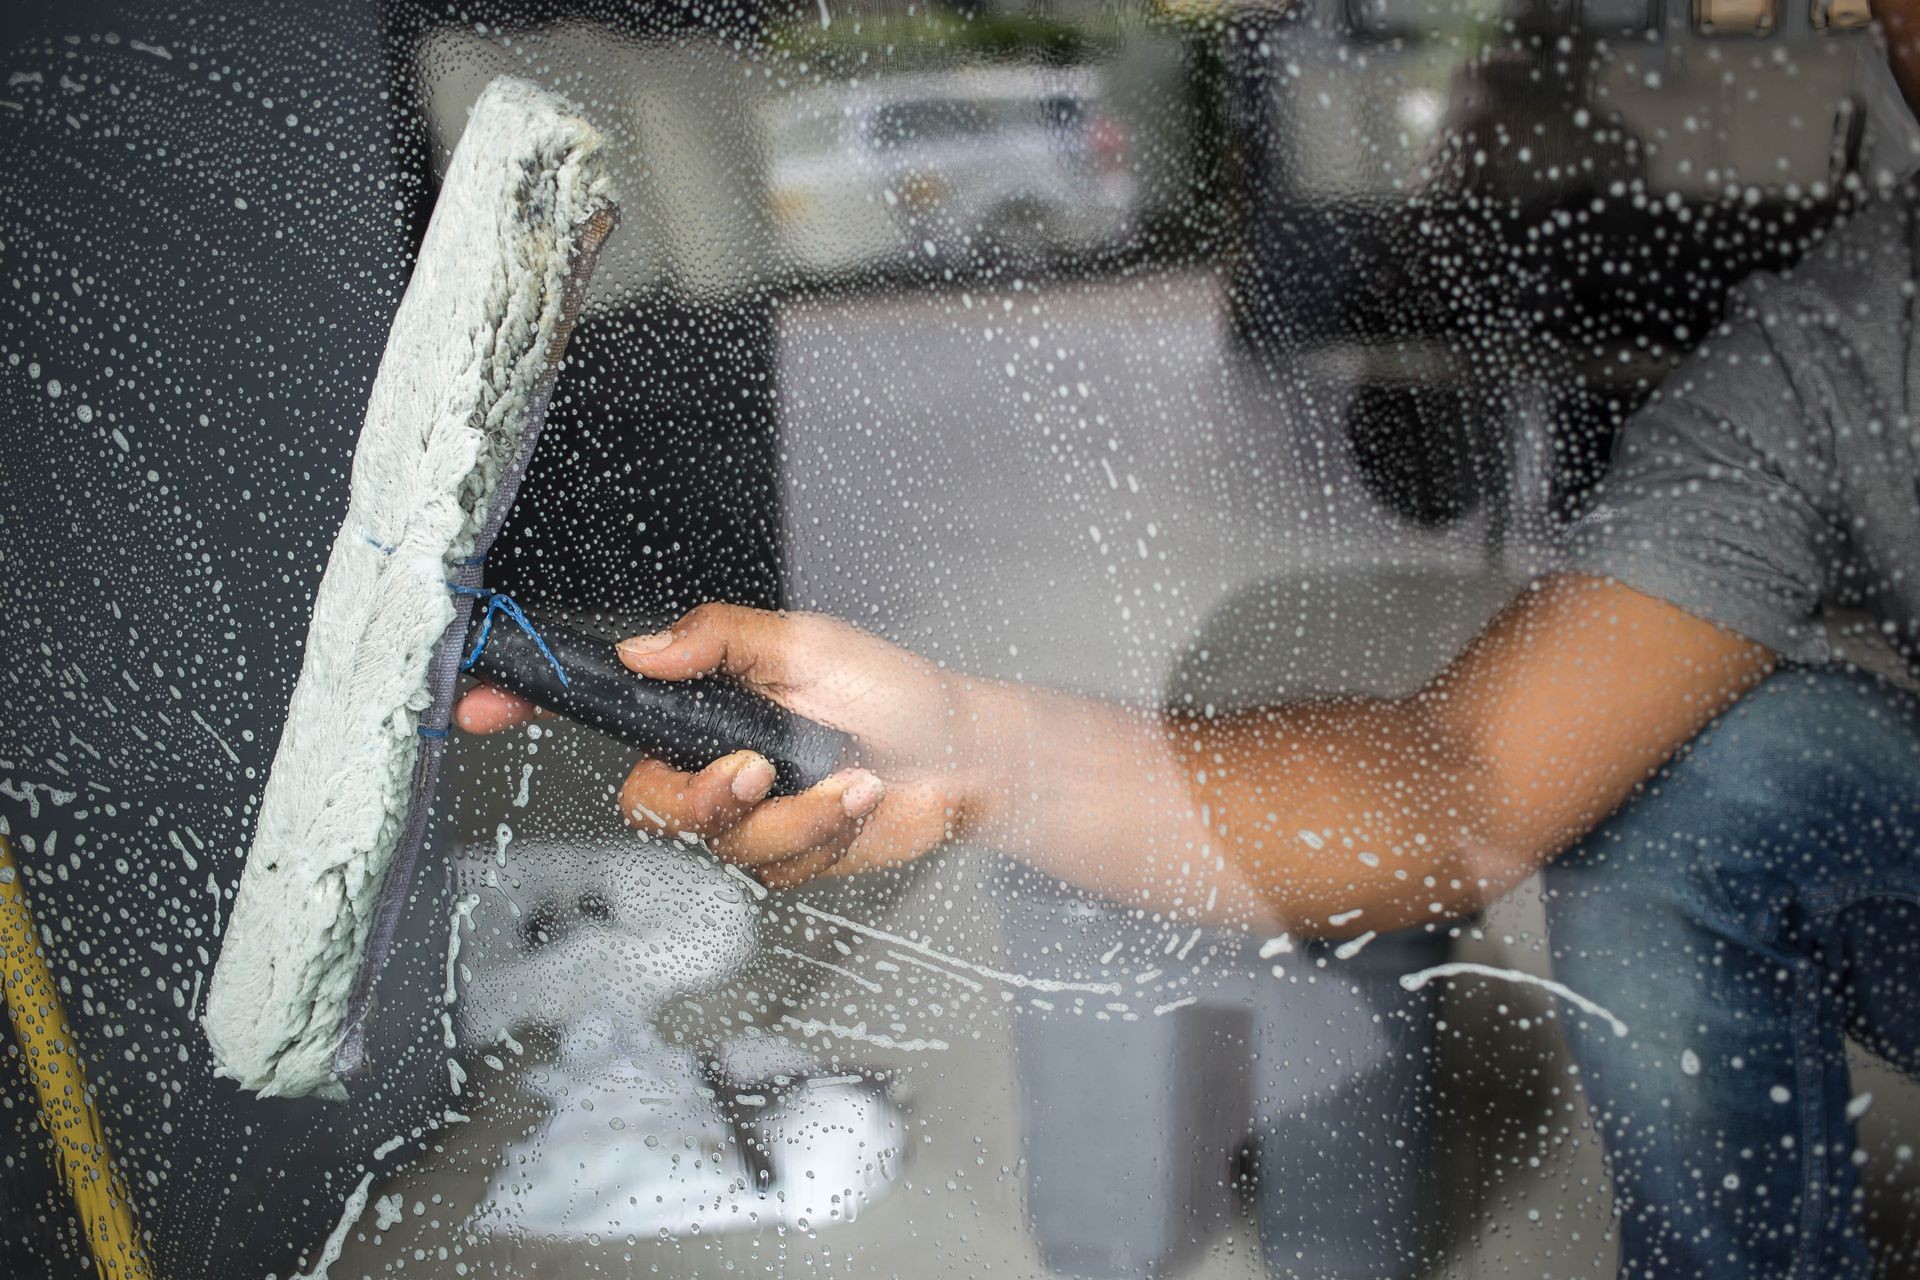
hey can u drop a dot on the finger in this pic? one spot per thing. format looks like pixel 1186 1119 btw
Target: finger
pixel 661 799
pixel 916 817
pixel 729 638
pixel 791 872
pixel 919 815
pixel 826 817
pixel 487 708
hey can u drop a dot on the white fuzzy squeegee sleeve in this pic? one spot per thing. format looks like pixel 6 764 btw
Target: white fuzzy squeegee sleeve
pixel 460 387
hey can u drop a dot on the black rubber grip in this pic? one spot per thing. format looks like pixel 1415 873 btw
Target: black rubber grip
pixel 687 723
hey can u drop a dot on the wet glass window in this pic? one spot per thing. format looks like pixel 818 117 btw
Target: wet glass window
pixel 960 637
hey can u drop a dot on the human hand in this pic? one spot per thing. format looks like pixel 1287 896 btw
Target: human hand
pixel 907 794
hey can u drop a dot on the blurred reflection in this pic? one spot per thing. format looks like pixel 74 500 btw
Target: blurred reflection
pixel 571 949
pixel 1008 165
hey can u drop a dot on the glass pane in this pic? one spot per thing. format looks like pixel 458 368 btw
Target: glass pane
pixel 1365 552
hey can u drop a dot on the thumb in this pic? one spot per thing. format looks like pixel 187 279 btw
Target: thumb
pixel 748 644
pixel 642 653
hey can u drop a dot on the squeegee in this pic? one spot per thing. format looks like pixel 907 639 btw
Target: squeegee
pixel 402 607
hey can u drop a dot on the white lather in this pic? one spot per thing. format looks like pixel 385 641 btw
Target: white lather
pixel 449 409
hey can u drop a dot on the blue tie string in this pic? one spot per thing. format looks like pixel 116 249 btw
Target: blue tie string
pixel 500 602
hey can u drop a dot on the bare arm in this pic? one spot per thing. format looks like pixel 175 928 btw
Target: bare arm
pixel 1343 815
pixel 1331 817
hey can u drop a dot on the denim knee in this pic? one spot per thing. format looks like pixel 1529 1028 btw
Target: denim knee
pixel 1762 809
pixel 1698 914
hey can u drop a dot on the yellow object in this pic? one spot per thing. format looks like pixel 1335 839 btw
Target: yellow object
pixel 66 1108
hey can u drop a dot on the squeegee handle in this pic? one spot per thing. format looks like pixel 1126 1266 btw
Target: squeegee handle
pixel 687 723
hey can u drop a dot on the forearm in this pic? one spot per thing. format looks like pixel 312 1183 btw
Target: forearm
pixel 1099 795
pixel 1342 816
pixel 1358 815
pixel 1324 818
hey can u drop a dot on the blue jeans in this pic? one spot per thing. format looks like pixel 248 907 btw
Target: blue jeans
pixel 1756 905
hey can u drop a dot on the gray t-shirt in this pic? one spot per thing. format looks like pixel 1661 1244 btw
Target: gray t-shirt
pixel 1776 475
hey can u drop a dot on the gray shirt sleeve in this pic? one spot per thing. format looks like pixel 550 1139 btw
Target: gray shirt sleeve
pixel 1721 496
